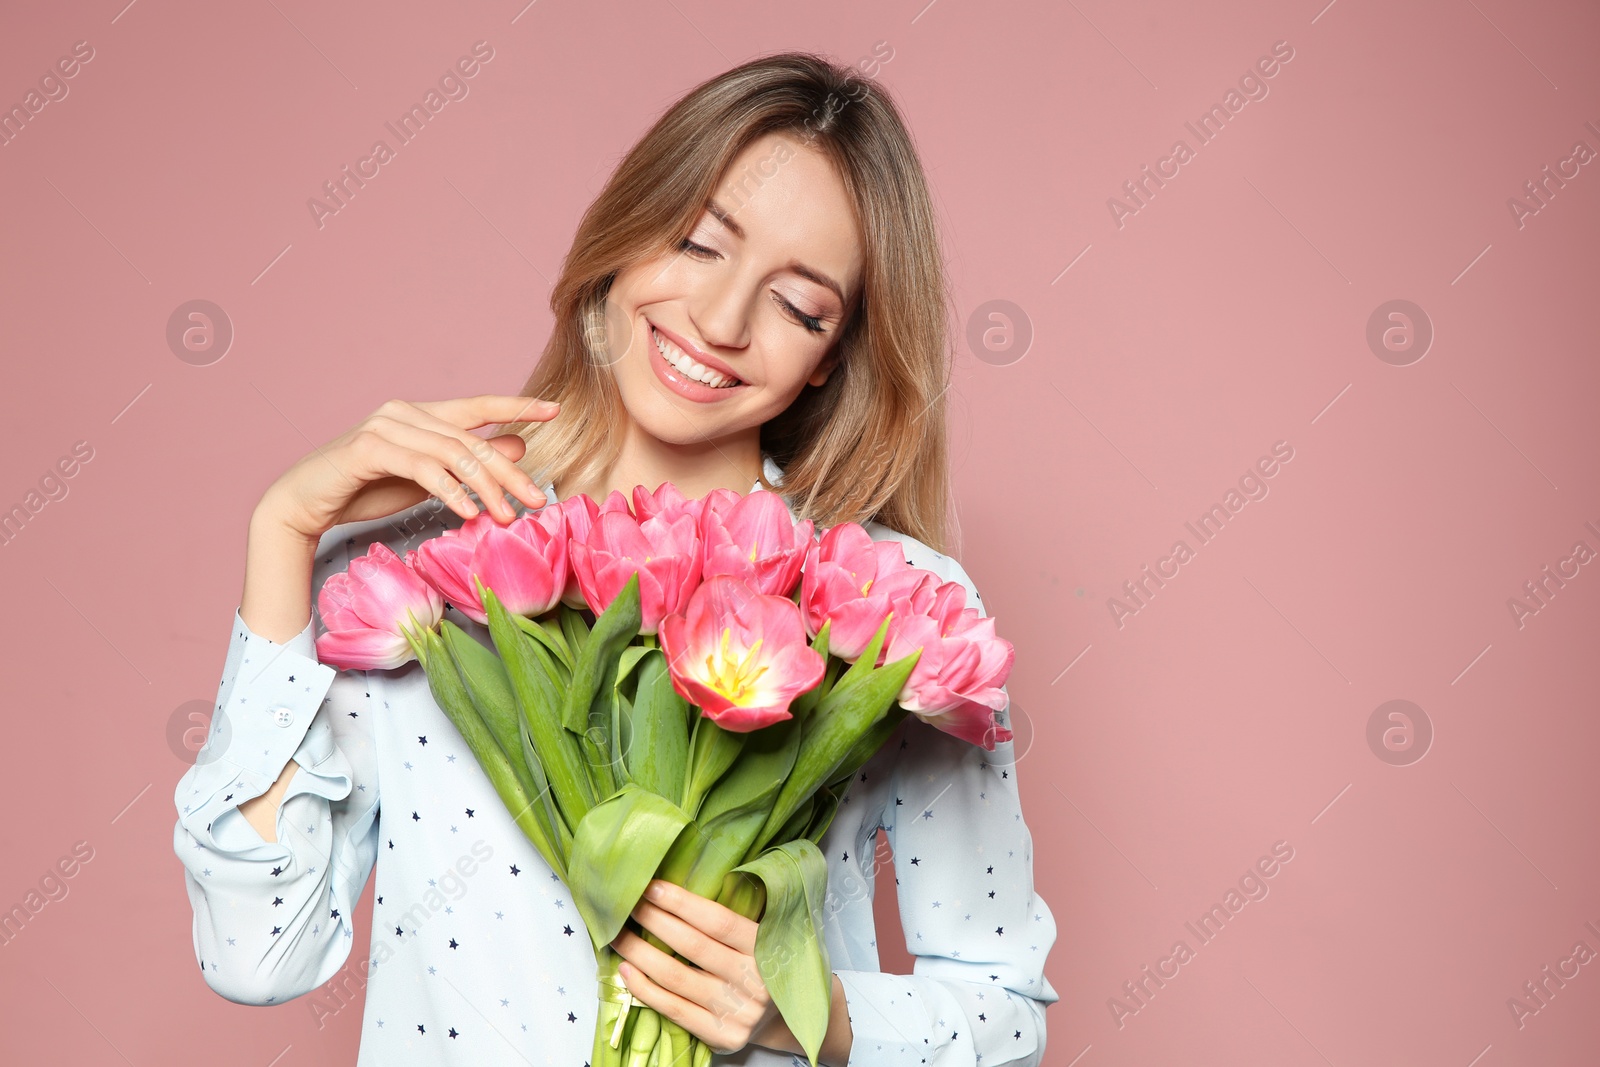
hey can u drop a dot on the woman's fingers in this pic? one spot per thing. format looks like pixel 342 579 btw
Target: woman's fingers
pixel 685 1012
pixel 464 462
pixel 487 452
pixel 510 445
pixel 702 914
pixel 471 412
pixel 363 474
pixel 394 459
pixel 693 943
pixel 666 971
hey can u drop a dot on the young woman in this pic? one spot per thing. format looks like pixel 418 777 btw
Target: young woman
pixel 756 300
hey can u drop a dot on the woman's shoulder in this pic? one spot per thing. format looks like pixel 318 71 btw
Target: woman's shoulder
pixel 400 533
pixel 919 554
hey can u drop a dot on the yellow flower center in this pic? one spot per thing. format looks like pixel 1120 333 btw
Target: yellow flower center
pixel 734 676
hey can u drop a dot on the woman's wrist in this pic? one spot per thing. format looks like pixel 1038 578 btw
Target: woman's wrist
pixel 276 602
pixel 835 1050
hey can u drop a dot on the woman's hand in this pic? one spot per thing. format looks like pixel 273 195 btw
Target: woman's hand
pixel 718 995
pixel 394 458
pixel 401 454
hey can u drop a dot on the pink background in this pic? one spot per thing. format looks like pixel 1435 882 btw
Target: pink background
pixel 1161 757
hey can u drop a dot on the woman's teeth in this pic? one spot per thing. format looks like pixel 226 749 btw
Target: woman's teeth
pixel 698 371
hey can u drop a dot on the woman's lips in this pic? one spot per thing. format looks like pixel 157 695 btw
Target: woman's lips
pixel 682 344
pixel 680 383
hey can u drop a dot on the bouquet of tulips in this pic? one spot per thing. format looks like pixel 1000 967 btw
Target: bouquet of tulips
pixel 678 689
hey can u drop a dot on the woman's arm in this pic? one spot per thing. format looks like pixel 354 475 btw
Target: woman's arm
pixel 278 816
pixel 978 932
pixel 290 756
pixel 963 858
pixel 276 604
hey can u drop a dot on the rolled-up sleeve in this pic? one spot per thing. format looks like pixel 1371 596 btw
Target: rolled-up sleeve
pixel 274 919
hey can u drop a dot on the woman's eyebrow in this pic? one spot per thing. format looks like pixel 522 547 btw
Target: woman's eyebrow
pixel 809 273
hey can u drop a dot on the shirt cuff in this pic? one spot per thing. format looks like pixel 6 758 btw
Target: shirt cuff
pixel 274 693
pixel 889 1024
pixel 267 701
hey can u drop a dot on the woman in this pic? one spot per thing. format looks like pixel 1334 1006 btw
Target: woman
pixel 756 300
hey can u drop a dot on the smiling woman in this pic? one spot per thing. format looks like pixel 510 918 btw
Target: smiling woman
pixel 760 276
pixel 756 300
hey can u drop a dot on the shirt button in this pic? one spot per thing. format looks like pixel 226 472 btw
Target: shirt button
pixel 283 717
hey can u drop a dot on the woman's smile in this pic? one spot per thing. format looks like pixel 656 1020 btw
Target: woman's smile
pixel 702 380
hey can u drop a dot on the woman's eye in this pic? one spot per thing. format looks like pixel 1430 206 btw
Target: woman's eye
pixel 810 322
pixel 699 251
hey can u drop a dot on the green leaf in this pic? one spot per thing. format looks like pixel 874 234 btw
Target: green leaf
pixel 658 750
pixel 824 805
pixel 735 809
pixel 450 693
pixel 869 743
pixel 551 638
pixel 587 708
pixel 539 700
pixel 486 683
pixel 862 697
pixel 600 743
pixel 622 732
pixel 573 625
pixel 615 853
pixel 712 751
pixel 561 833
pixel 802 705
pixel 597 656
pixel 484 677
pixel 631 655
pixel 796 825
pixel 790 953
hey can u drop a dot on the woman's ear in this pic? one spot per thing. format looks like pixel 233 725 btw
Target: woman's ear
pixel 825 368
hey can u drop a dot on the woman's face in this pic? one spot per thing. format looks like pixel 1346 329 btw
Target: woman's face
pixel 756 296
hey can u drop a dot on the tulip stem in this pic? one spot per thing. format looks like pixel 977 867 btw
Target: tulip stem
pixel 688 775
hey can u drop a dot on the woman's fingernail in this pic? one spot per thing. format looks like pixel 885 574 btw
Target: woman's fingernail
pixel 653 891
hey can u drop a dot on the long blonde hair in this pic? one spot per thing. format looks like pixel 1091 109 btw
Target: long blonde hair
pixel 871 442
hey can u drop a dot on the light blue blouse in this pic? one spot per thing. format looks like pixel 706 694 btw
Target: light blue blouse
pixel 477 957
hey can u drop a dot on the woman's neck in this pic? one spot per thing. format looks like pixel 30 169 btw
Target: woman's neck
pixel 734 465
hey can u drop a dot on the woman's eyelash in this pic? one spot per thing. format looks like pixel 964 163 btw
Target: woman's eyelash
pixel 810 322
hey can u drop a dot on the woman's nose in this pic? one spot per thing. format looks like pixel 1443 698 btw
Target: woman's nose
pixel 721 315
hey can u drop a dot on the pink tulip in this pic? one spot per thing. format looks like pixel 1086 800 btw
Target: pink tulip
pixel 956 684
pixel 739 655
pixel 669 501
pixel 524 562
pixel 664 552
pixel 578 513
pixel 755 538
pixel 368 608
pixel 849 581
